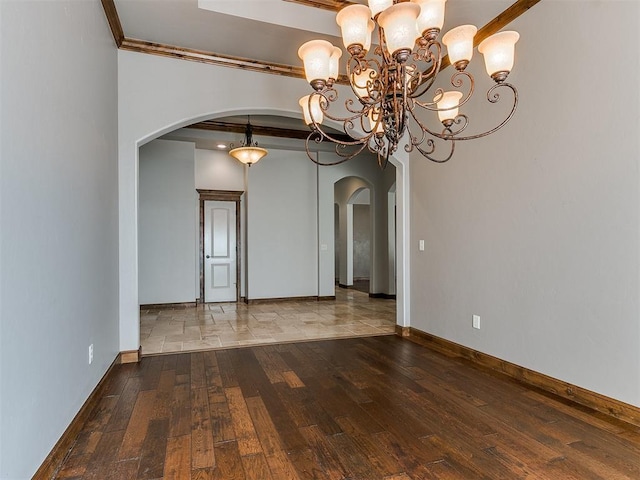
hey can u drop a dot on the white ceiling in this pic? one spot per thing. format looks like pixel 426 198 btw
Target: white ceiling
pixel 273 34
pixel 183 23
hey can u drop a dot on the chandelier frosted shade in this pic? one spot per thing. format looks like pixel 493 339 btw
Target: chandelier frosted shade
pixel 400 26
pixel 498 51
pixel 316 56
pixel 334 65
pixel 431 14
pixel 356 25
pixel 448 105
pixel 311 109
pixel 459 42
pixel 390 82
pixel 378 6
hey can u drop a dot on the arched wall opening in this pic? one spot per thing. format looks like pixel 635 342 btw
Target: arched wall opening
pixel 205 92
pixel 354 253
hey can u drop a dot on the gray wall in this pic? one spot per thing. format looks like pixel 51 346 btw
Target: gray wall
pixel 282 238
pixel 168 223
pixel 217 170
pixel 361 241
pixel 59 220
pixel 535 228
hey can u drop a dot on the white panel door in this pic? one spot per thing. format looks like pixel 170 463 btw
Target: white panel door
pixel 220 256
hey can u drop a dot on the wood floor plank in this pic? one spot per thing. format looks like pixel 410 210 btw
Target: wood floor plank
pixel 177 465
pixel 384 463
pixel 265 429
pixel 198 379
pixel 164 394
pixel 227 373
pixel 102 414
pixel 203 473
pixel 348 450
pixel 281 467
pixel 104 457
pixel 256 468
pixel 212 371
pixel 399 476
pixel 180 423
pixel 202 452
pixel 183 364
pixel 221 423
pixel 325 455
pixel 229 463
pixel 153 450
pixel 137 427
pixel 248 443
pixel 378 408
pixel 126 401
pixel 292 379
pixel 152 368
pixel 272 364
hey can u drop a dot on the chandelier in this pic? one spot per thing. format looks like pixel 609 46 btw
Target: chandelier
pixel 249 152
pixel 391 86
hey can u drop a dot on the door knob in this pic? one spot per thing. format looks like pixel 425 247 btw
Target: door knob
pixel 208 256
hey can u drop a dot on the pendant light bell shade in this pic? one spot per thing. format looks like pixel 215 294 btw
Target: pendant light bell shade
pixel 249 153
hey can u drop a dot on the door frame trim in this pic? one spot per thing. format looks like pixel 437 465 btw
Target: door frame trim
pixel 219 196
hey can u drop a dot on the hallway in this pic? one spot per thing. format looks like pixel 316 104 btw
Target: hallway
pixel 213 326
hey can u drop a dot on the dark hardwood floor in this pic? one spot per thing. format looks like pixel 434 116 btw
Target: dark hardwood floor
pixel 365 408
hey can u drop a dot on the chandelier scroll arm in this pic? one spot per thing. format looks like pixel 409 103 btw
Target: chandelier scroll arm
pixel 427 78
pixel 441 135
pixel 427 155
pixel 494 97
pixel 317 137
pixel 358 65
pixel 415 143
pixel 457 82
pixel 326 97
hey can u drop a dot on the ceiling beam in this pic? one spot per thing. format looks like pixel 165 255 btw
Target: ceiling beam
pixel 111 12
pixel 218 126
pixel 333 5
pixel 211 58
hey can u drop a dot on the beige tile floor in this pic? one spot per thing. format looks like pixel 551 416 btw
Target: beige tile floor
pixel 213 326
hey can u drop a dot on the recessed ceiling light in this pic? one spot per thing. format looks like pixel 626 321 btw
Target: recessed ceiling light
pixel 221 146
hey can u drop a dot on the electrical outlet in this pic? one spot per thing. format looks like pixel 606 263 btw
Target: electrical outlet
pixel 90 354
pixel 476 321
